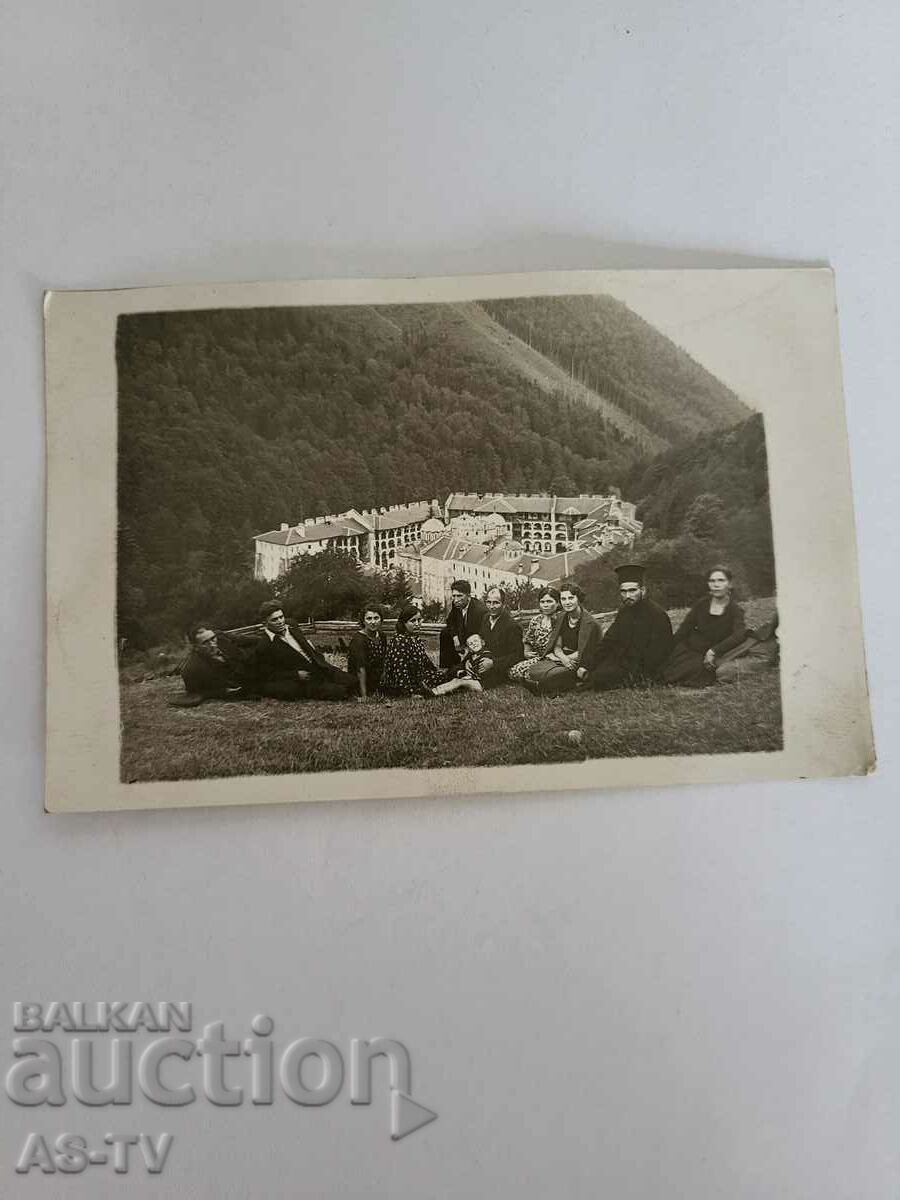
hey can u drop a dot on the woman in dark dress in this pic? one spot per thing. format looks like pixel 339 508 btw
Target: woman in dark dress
pixel 408 671
pixel 365 654
pixel 712 627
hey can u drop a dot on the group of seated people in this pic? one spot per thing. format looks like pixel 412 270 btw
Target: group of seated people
pixel 563 648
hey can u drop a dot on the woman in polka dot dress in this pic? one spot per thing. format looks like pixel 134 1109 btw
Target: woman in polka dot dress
pixel 408 671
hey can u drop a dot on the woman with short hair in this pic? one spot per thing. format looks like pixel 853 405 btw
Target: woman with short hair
pixel 366 652
pixel 537 634
pixel 573 646
pixel 712 627
pixel 408 671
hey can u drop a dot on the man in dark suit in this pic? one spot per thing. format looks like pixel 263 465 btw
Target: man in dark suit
pixel 465 617
pixel 502 639
pixel 289 667
pixel 217 667
pixel 637 643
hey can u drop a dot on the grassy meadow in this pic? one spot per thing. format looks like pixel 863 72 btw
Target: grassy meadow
pixel 502 727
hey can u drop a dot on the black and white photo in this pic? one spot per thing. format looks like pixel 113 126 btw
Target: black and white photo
pixel 472 535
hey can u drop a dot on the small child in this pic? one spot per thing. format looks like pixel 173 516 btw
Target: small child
pixel 474 661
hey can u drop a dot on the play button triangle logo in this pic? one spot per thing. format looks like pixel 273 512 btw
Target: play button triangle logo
pixel 407 1116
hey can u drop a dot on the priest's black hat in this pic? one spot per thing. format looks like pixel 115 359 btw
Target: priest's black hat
pixel 632 573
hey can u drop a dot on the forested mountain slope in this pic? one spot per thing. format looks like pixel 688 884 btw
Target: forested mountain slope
pixel 600 342
pixel 702 503
pixel 552 378
pixel 231 421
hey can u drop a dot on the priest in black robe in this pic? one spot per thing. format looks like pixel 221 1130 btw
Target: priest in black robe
pixel 637 643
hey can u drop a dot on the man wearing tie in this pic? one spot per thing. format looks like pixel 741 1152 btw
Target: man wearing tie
pixel 289 667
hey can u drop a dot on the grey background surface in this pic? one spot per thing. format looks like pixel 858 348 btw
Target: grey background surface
pixel 684 992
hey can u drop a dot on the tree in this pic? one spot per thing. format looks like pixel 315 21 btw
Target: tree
pixel 523 595
pixel 705 517
pixel 599 580
pixel 329 584
pixel 393 588
pixel 563 485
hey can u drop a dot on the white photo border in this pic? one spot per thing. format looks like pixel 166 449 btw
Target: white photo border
pixel 776 329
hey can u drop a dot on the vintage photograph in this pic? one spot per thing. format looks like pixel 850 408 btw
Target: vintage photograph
pixel 410 537
pixel 514 531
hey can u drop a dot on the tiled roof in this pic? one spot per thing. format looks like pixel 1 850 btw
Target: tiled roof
pixel 491 518
pixel 495 506
pixel 542 570
pixel 409 515
pixel 344 524
pixel 463 500
pixel 527 503
pixel 585 505
pixel 561 566
pixel 449 546
pixel 497 556
pixel 495 502
pixel 477 555
pixel 280 537
pixel 596 507
pixel 312 533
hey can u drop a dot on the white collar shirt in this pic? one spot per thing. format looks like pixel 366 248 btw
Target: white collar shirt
pixel 288 637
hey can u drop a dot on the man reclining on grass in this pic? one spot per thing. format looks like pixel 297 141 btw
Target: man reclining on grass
pixel 288 667
pixel 216 668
